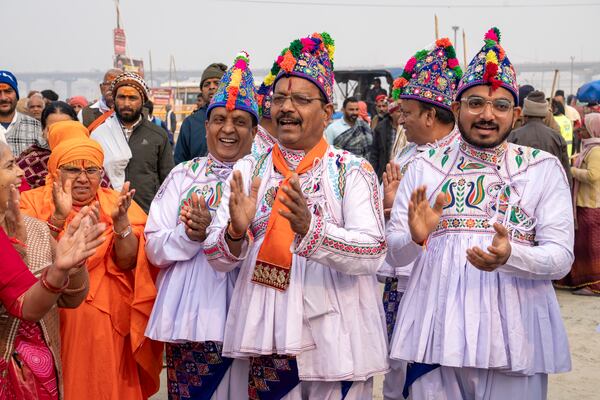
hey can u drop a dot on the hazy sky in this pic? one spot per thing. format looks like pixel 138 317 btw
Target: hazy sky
pixel 76 35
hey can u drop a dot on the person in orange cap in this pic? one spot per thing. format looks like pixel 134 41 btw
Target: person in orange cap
pixel 104 351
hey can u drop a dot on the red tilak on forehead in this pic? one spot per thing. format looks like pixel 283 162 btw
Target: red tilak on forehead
pixel 289 85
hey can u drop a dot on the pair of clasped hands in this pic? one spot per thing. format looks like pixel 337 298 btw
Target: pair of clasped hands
pixel 242 209
pixel 423 219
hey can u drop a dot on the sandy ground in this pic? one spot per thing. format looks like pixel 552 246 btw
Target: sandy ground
pixel 582 320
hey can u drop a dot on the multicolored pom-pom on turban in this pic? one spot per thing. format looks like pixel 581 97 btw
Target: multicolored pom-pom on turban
pixel 490 67
pixel 236 89
pixel 310 58
pixel 431 76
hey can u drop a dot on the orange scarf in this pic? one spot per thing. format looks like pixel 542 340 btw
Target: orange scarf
pixel 274 260
pixel 100 120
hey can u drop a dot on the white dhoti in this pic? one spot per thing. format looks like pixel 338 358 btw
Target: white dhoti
pixel 330 391
pixel 447 383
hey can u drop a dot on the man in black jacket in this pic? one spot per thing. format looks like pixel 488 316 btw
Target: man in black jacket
pixel 135 149
pixel 534 133
pixel 191 142
pixel 383 140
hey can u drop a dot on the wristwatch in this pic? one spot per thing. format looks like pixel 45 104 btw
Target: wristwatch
pixel 123 234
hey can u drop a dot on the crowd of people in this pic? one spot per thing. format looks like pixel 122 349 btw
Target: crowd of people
pixel 251 255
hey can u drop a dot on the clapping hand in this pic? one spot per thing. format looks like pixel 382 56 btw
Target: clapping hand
pixel 119 213
pixel 15 225
pixel 299 215
pixel 391 181
pixel 61 197
pixel 242 206
pixel 80 240
pixel 499 251
pixel 196 218
pixel 422 218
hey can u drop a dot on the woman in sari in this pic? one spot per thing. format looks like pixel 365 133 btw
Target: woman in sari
pixel 59 123
pixel 30 367
pixel 104 352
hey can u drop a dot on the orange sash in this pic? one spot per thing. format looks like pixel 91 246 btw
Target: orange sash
pixel 274 260
pixel 100 120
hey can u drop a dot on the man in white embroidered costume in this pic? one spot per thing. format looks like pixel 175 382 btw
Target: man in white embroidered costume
pixel 426 88
pixel 308 238
pixel 191 306
pixel 479 318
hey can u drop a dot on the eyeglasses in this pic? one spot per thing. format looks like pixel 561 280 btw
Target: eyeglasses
pixel 297 99
pixel 476 105
pixel 73 172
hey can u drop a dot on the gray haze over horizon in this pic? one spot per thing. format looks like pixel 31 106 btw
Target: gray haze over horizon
pixel 71 35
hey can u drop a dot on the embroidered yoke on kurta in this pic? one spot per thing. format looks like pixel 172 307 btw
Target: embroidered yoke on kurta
pixel 330 316
pixel 457 315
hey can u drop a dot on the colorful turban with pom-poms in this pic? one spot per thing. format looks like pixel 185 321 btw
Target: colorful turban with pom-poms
pixel 431 76
pixel 236 89
pixel 490 67
pixel 310 58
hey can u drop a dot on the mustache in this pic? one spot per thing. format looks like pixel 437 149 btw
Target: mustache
pixel 287 115
pixel 485 124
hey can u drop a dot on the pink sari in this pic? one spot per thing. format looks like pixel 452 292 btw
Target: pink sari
pixel 31 374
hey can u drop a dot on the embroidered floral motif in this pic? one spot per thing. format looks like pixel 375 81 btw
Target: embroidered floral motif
pixel 455 194
pixel 271 275
pixel 258 227
pixel 194 163
pixel 478 224
pixel 212 196
pixel 293 157
pixel 263 142
pixel 259 168
pixel 339 163
pixel 446 155
pixel 448 139
pixel 340 247
pixel 490 156
pixel 313 238
pixel 270 196
pixel 219 248
pixel 519 156
pixel 465 165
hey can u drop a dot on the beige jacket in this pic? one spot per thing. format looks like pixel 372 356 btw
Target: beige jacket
pixel 589 180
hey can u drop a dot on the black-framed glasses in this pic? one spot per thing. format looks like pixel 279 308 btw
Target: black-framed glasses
pixel 74 172
pixel 297 99
pixel 476 105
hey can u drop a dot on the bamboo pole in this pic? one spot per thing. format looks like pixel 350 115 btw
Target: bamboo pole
pixel 464 49
pixel 554 82
pixel 437 30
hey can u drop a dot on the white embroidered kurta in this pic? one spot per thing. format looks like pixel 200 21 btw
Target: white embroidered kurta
pixel 193 298
pixel 117 152
pixel 457 315
pixel 263 142
pixel 330 317
pixel 403 160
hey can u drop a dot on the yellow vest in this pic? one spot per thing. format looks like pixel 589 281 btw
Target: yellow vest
pixel 566 131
